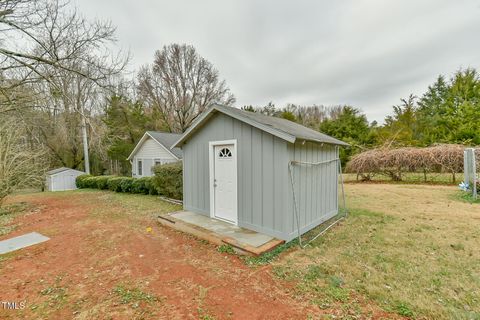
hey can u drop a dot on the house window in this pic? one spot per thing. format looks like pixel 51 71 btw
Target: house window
pixel 225 153
pixel 139 168
pixel 158 162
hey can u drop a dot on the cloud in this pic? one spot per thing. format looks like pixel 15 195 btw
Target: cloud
pixel 367 53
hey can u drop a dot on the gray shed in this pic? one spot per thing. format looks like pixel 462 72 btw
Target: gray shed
pixel 243 168
pixel 62 179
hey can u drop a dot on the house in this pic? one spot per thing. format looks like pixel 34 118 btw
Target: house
pixel 262 173
pixel 153 148
pixel 62 179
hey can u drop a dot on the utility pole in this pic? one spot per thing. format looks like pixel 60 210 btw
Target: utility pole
pixel 86 158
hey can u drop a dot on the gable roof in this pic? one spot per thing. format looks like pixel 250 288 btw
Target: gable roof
pixel 62 169
pixel 282 128
pixel 165 139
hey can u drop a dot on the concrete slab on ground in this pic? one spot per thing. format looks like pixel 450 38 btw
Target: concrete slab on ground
pixel 219 232
pixel 22 241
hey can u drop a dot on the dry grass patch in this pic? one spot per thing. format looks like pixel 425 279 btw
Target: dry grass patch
pixel 415 250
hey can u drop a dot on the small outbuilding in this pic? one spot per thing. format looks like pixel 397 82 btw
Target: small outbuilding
pixel 62 179
pixel 153 148
pixel 258 172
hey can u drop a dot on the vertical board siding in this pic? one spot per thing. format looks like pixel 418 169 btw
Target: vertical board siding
pixel 257 167
pixel 268 180
pixel 279 184
pixel 316 187
pixel 262 177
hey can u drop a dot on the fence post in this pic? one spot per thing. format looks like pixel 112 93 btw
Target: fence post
pixel 466 167
pixel 474 172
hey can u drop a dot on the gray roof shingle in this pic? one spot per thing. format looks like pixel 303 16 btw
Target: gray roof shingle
pixel 290 131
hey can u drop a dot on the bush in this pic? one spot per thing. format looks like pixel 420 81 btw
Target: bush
pixel 90 182
pixel 168 180
pixel 143 185
pixel 80 180
pixel 113 184
pixel 150 185
pixel 138 186
pixel 126 184
pixel 102 182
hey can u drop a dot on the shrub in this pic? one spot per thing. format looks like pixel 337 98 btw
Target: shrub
pixel 91 182
pixel 113 184
pixel 80 180
pixel 150 185
pixel 102 182
pixel 126 184
pixel 168 180
pixel 141 185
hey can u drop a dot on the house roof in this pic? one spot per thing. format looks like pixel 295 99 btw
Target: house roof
pixel 166 139
pixel 282 128
pixel 58 170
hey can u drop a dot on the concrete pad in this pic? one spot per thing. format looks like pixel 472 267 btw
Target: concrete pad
pixel 219 232
pixel 22 241
pixel 225 229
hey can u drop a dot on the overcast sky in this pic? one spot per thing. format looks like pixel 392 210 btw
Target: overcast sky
pixel 367 53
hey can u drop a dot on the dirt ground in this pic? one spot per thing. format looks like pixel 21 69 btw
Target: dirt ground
pixel 104 262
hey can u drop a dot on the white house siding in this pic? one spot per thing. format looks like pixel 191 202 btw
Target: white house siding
pixel 148 152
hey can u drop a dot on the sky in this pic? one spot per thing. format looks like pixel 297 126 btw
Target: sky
pixel 365 53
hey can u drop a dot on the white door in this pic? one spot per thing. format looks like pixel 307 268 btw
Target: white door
pixel 225 183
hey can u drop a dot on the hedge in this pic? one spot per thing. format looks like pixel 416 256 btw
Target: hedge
pixel 168 182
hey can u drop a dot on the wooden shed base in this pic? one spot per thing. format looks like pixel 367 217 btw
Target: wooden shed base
pixel 219 232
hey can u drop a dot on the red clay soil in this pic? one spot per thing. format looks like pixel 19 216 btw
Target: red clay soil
pixel 80 273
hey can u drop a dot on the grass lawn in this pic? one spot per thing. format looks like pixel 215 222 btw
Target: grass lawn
pixel 413 249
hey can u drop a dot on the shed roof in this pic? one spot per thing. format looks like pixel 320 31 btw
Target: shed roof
pixel 62 169
pixel 282 128
pixel 166 139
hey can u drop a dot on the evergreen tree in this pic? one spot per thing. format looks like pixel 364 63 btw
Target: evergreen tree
pixel 351 126
pixel 126 122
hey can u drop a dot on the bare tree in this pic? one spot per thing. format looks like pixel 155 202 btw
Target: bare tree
pixel 39 33
pixel 47 46
pixel 181 84
pixel 21 164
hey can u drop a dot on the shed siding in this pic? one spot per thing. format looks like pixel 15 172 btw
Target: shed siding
pixel 316 187
pixel 62 181
pixel 148 152
pixel 261 161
